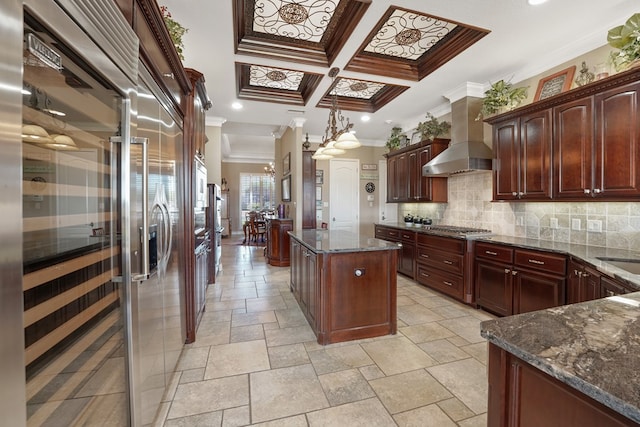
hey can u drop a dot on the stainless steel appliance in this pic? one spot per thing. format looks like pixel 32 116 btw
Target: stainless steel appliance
pixel 214 225
pixel 128 145
pixel 454 230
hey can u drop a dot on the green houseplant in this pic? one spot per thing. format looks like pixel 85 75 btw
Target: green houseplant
pixel 176 31
pixel 432 128
pixel 501 96
pixel 395 139
pixel 626 38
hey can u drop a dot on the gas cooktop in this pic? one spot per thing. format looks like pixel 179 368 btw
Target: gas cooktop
pixel 458 231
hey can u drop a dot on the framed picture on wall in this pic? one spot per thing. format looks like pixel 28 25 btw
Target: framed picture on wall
pixel 555 84
pixel 286 188
pixel 286 164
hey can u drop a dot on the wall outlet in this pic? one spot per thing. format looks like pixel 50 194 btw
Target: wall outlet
pixel 575 224
pixel 594 225
pixel 553 223
pixel 520 220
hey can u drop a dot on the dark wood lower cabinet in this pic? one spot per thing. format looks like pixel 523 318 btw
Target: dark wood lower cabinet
pixel 521 395
pixel 345 295
pixel 407 254
pixel 513 280
pixel 278 241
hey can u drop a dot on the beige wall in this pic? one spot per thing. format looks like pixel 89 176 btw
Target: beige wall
pixel 231 172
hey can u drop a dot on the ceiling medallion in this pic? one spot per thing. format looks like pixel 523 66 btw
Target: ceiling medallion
pixel 293 13
pixel 276 75
pixel 304 20
pixel 408 37
pixel 358 86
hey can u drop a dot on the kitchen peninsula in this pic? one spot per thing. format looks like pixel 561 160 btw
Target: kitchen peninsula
pixel 345 284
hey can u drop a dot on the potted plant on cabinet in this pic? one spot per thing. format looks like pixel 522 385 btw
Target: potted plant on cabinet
pixel 626 38
pixel 396 138
pixel 176 31
pixel 432 128
pixel 501 96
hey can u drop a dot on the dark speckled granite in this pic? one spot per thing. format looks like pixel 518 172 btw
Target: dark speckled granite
pixel 340 241
pixel 586 253
pixel 593 346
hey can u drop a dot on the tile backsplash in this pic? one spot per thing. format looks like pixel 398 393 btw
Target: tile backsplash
pixel 470 205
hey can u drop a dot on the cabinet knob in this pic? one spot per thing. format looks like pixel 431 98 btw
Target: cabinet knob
pixel 514 272
pixel 514 194
pixel 587 191
pixel 520 194
pixel 596 191
pixel 507 271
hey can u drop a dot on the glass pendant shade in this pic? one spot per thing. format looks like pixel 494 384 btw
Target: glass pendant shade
pixel 320 155
pixel 332 150
pixel 347 141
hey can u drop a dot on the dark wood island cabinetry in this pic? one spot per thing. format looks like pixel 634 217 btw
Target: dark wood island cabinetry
pixel 344 284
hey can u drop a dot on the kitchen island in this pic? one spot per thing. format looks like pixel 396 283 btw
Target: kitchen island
pixel 574 365
pixel 345 284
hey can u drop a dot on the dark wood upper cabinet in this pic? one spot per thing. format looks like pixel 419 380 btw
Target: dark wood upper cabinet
pixel 405 182
pixel 583 144
pixel 617 143
pixel 522 150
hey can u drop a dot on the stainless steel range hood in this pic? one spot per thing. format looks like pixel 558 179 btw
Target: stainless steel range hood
pixel 470 154
pixel 460 157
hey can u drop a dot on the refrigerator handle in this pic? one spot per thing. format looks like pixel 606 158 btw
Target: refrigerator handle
pixel 144 233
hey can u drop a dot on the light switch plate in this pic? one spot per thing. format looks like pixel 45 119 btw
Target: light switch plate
pixel 575 224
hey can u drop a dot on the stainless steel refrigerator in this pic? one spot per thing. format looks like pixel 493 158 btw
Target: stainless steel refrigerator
pixel 214 225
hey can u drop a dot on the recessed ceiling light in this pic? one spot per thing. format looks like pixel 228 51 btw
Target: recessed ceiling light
pixel 236 106
pixel 388 121
pixel 365 118
pixel 536 2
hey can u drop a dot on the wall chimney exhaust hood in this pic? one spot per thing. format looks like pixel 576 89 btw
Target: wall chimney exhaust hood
pixel 460 157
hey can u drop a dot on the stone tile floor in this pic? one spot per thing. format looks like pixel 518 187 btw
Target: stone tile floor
pixel 256 360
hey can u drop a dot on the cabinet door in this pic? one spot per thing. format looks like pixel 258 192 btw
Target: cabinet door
pixel 617 142
pixel 296 260
pixel 304 281
pixel 506 151
pixel 493 287
pixel 402 177
pixel 424 183
pixel 406 260
pixel 535 155
pixel 415 173
pixel 573 149
pixel 590 288
pixel 313 297
pixel 535 291
pixel 392 183
pixel 610 287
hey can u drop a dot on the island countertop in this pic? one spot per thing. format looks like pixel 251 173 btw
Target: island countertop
pixel 593 347
pixel 322 241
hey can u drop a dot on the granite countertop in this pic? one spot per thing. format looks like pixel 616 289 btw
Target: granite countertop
pixel 588 254
pixel 593 347
pixel 340 241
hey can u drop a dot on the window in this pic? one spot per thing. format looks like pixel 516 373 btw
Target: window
pixel 257 193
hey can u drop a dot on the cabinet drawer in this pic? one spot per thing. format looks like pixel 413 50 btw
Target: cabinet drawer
pixel 448 283
pixel 407 236
pixel 449 244
pixel 441 260
pixel 494 252
pixel 543 261
pixel 387 234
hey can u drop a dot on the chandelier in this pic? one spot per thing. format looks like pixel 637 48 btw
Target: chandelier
pixel 335 141
pixel 270 170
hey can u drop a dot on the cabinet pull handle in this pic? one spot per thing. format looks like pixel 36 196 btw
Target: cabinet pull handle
pixel 610 293
pixel 491 253
pixel 587 191
pixel 446 261
pixel 535 261
pixel 424 256
pixel 514 194
pixel 447 283
pixel 585 274
pixel 514 272
pixel 507 271
pixel 393 233
pixel 424 274
pixel 596 191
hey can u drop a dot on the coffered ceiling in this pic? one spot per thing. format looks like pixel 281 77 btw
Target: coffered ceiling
pixel 397 60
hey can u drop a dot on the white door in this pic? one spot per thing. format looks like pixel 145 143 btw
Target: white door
pixel 344 206
pixel 387 212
